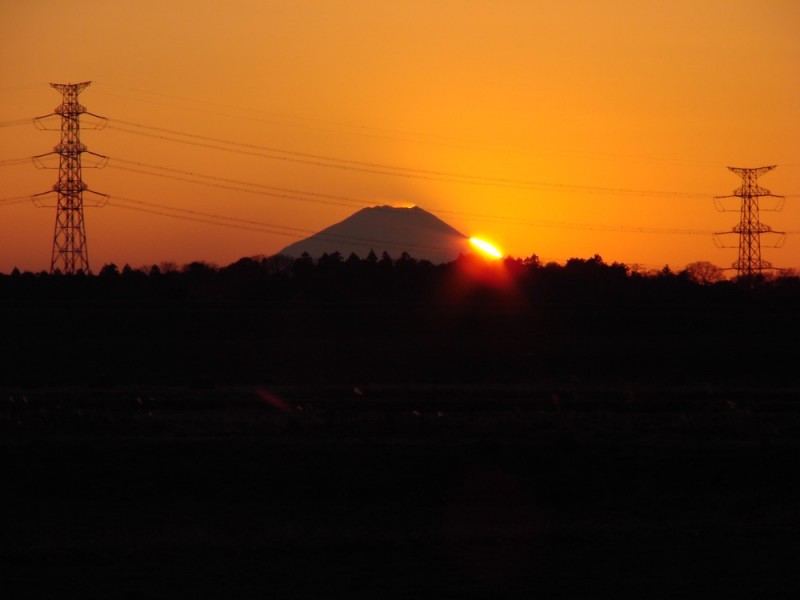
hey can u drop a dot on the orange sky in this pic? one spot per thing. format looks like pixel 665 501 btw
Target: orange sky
pixel 617 117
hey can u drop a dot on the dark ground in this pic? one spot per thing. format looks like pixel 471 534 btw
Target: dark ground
pixel 583 433
pixel 566 491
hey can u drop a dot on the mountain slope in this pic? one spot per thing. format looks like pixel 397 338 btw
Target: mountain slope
pixel 386 229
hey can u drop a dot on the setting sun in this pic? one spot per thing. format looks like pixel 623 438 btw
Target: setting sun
pixel 486 247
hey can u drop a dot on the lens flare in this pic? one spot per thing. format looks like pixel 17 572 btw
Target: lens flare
pixel 486 248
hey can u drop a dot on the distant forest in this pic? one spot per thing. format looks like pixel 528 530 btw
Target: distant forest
pixel 334 278
pixel 379 319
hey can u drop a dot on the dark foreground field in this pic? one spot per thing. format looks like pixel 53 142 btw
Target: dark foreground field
pixel 574 492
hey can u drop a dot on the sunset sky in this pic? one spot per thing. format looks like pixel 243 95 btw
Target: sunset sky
pixel 563 129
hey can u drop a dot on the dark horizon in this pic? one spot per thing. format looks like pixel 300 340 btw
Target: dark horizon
pixel 393 428
pixel 524 319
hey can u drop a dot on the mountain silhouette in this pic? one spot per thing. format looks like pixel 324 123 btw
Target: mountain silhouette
pixel 386 229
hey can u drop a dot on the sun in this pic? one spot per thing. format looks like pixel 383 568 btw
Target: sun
pixel 486 248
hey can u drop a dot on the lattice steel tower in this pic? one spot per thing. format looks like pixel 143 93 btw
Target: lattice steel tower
pixel 750 227
pixel 70 254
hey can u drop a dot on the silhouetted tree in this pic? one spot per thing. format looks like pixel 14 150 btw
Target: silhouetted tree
pixel 704 272
pixel 386 263
pixel 303 266
pixel 330 263
pixel 199 267
pixel 278 263
pixel 110 270
pixel 353 258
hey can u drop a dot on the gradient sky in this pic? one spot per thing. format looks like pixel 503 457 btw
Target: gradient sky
pixel 584 126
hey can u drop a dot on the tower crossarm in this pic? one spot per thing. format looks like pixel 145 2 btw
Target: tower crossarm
pixel 756 172
pixel 752 228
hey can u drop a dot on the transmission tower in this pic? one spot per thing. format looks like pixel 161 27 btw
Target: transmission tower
pixel 70 254
pixel 750 227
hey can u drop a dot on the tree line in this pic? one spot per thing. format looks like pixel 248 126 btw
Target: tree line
pixel 333 278
pixel 380 319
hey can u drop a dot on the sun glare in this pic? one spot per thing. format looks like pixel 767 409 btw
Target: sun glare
pixel 486 248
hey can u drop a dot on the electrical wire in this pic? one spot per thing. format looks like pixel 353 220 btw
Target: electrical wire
pixel 316 163
pixel 363 166
pixel 263 190
pixel 200 217
pixel 347 201
pixel 14 200
pixel 11 162
pixel 330 199
pixel 372 131
pixel 368 167
pixel 260 226
pixel 16 122
pixel 579 226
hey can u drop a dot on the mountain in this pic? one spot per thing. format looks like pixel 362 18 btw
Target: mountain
pixel 386 228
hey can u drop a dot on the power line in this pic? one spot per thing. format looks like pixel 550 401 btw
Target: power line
pixel 338 200
pixel 259 226
pixel 293 194
pixel 224 186
pixel 559 224
pixel 275 117
pixel 72 147
pixel 16 122
pixel 578 226
pixel 369 167
pixel 225 183
pixel 376 132
pixel 14 200
pixel 201 217
pixel 11 162
pixel 293 159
